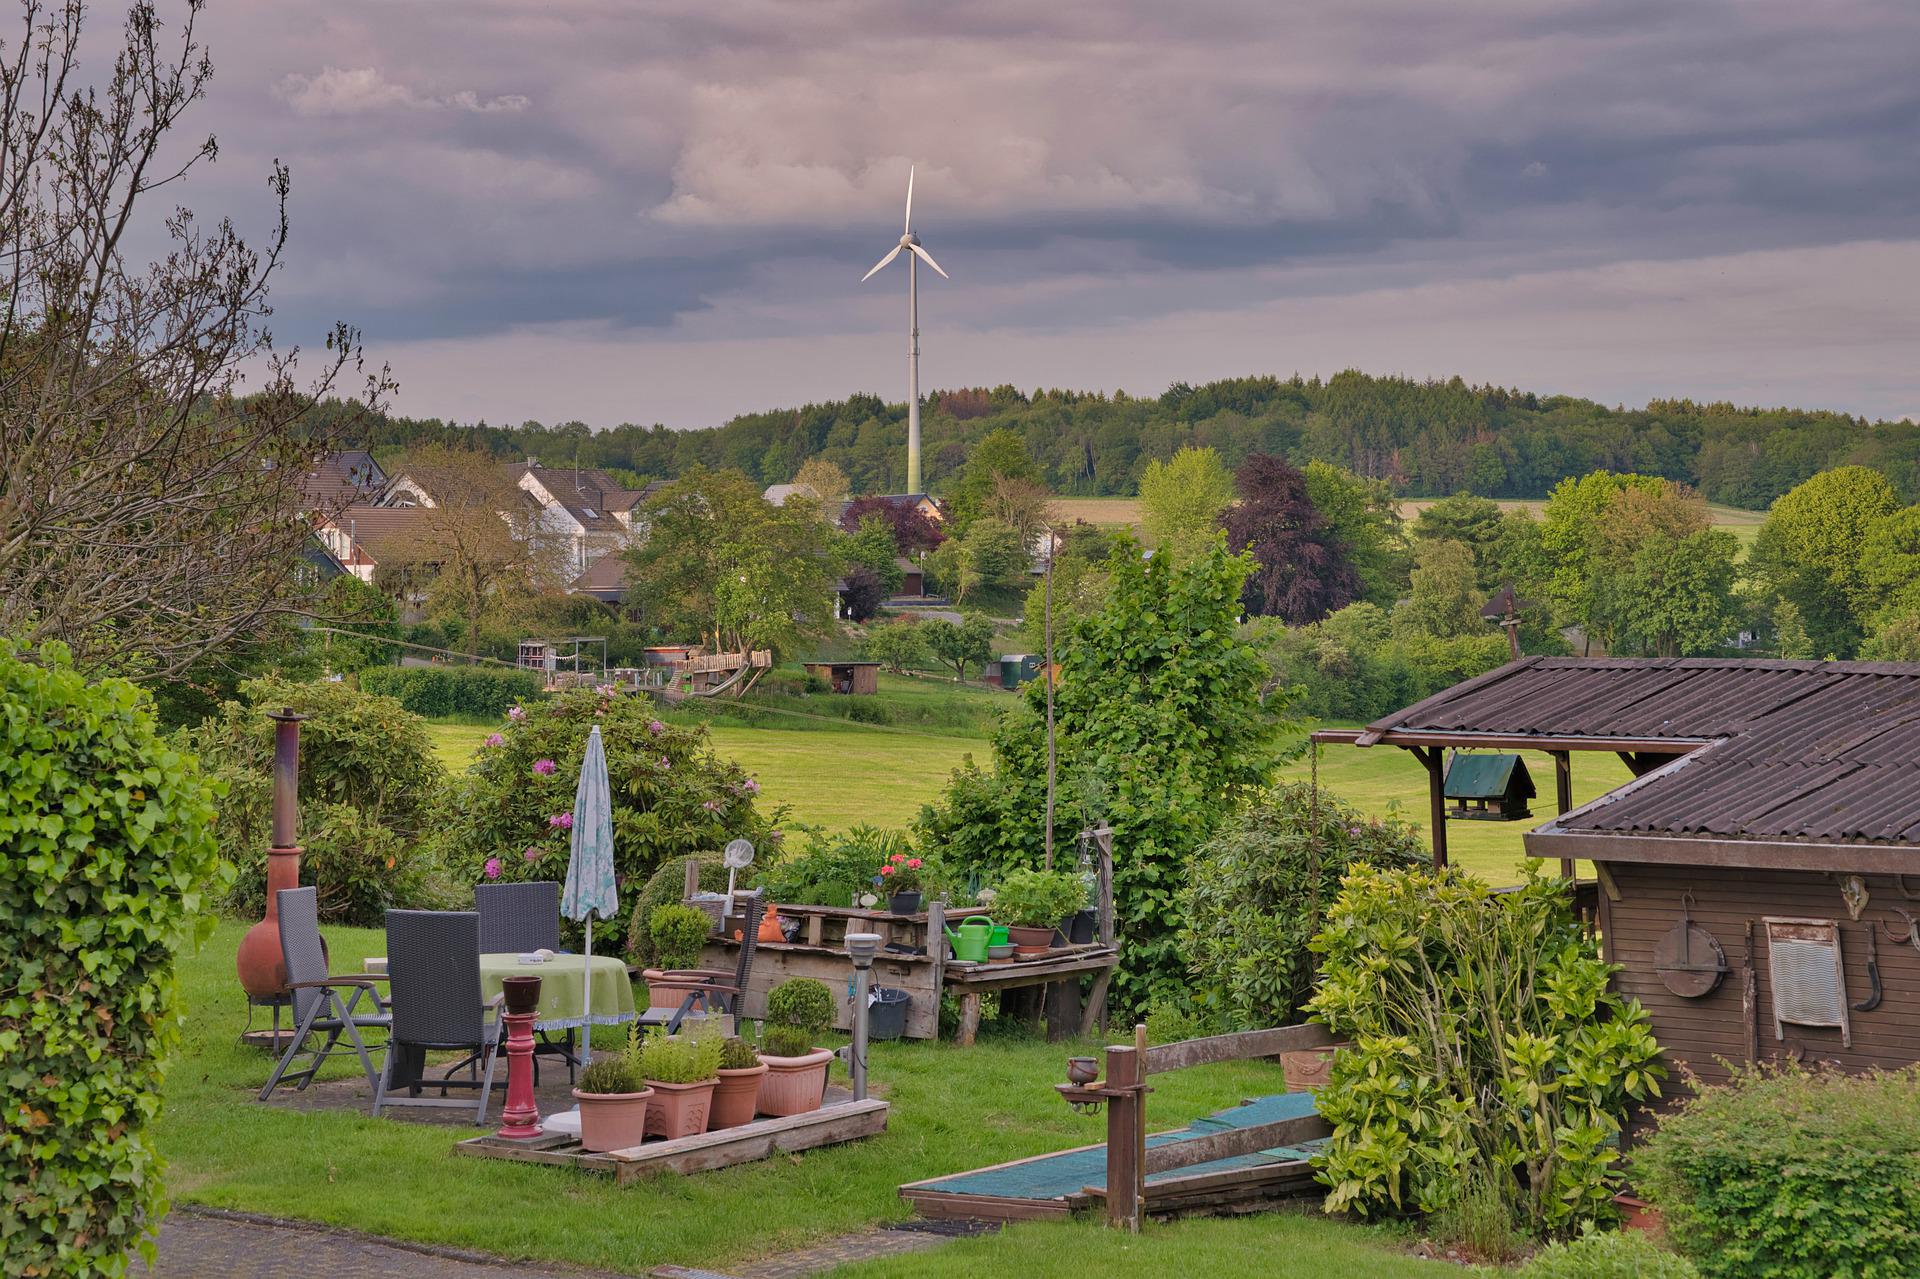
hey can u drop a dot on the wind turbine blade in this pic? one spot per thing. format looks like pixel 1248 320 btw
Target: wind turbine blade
pixel 926 257
pixel 909 225
pixel 882 262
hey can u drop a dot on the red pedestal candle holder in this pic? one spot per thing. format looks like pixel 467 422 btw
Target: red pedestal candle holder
pixel 521 1115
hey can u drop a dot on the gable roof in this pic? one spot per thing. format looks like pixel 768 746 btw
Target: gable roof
pixel 1487 777
pixel 589 495
pixel 375 527
pixel 605 578
pixel 342 477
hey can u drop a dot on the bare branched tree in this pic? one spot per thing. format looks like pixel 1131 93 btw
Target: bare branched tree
pixel 150 507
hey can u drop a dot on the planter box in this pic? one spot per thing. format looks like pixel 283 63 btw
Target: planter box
pixel 679 1110
pixel 794 1085
pixel 613 1120
pixel 736 1098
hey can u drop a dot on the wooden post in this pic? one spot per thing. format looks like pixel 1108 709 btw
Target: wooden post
pixel 693 882
pixel 969 1019
pixel 1563 797
pixel 1127 1133
pixel 1095 1013
pixel 1434 758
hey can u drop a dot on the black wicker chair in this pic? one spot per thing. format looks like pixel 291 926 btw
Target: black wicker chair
pixel 712 990
pixel 520 919
pixel 433 965
pixel 322 1004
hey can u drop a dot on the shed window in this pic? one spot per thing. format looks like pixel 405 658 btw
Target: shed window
pixel 1809 986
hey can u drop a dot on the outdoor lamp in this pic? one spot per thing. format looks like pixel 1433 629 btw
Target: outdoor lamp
pixel 861 948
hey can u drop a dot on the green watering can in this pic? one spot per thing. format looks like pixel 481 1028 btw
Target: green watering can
pixel 999 937
pixel 970 943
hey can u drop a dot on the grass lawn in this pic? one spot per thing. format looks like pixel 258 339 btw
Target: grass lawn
pixel 1382 780
pixel 953 1109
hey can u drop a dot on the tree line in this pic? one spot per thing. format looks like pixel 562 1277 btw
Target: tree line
pixel 1425 438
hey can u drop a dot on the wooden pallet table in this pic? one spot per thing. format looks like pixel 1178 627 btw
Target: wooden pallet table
pixel 1058 971
pixel 835 1122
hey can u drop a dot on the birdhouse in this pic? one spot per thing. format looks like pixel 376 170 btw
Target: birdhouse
pixel 1489 788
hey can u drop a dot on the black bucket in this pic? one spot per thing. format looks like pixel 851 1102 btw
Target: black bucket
pixel 1080 927
pixel 887 1013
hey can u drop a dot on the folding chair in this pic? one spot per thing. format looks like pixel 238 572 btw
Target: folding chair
pixel 712 990
pixel 520 919
pixel 433 969
pixel 317 1003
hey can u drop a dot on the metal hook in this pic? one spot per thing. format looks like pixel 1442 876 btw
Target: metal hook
pixel 1900 882
pixel 1912 934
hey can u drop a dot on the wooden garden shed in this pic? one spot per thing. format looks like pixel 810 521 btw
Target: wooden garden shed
pixel 847 677
pixel 1759 879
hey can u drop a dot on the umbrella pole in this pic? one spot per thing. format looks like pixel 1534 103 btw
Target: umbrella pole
pixel 586 1002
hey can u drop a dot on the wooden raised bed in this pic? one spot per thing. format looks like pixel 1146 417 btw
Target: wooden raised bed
pixel 836 1122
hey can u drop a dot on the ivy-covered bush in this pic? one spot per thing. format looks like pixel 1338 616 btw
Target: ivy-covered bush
pixel 1259 890
pixel 1161 732
pixel 370 785
pixel 509 816
pixel 1790 1173
pixel 107 858
pixel 474 692
pixel 1486 1049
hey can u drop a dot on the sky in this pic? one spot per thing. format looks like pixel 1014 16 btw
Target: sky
pixel 660 210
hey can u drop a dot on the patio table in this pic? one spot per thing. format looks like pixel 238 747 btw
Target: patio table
pixel 562 983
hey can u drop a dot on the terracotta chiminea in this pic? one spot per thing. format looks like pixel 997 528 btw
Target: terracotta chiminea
pixel 263 973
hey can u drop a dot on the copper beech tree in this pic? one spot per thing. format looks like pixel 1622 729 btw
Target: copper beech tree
pixel 150 500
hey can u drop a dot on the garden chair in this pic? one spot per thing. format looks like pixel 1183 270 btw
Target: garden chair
pixel 318 1003
pixel 712 990
pixel 520 919
pixel 433 969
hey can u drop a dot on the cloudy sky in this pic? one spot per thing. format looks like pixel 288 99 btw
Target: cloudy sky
pixel 660 210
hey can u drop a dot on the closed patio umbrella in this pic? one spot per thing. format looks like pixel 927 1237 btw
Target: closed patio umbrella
pixel 590 888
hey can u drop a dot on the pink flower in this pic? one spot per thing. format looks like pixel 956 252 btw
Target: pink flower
pixel 493 868
pixel 544 767
pixel 494 739
pixel 533 852
pixel 752 787
pixel 887 869
pixel 562 821
pixel 897 857
pixel 656 727
pixel 913 863
pixel 515 713
pixel 712 805
pixel 665 762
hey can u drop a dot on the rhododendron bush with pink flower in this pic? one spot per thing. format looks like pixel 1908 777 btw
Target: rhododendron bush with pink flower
pixel 510 815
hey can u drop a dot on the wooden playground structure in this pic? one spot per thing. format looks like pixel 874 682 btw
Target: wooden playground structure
pixel 674 672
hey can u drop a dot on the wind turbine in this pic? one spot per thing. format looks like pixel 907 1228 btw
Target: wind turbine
pixel 915 254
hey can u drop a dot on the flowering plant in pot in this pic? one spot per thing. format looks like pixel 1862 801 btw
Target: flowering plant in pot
pixel 798 1010
pixel 899 878
pixel 1032 903
pixel 679 933
pixel 736 1098
pixel 613 1102
pixel 682 1071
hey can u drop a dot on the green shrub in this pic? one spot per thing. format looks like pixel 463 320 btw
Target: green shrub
pixel 737 1054
pixel 832 868
pixel 786 1041
pixel 686 1058
pixel 1172 1019
pixel 473 692
pixel 1623 1254
pixel 679 934
pixel 672 796
pixel 1259 889
pixel 612 1073
pixel 1486 1046
pixel 1785 1172
pixel 664 888
pixel 1037 898
pixel 107 858
pixel 801 1003
pixel 369 786
pixel 1479 1223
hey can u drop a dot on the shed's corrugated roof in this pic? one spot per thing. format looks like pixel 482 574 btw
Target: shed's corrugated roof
pixel 1817 751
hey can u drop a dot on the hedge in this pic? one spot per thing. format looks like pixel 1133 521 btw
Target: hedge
pixel 106 860
pixel 440 691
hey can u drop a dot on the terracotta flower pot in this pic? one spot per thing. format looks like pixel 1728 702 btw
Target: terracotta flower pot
pixel 613 1120
pixel 1030 941
pixel 662 993
pixel 1638 1214
pixel 794 1085
pixel 678 1110
pixel 1307 1069
pixel 736 1098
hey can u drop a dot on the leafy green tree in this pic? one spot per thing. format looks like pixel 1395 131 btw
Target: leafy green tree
pixel 1674 598
pixel 1570 548
pixel 1475 522
pixel 995 553
pixel 872 544
pixel 1001 454
pixel 1895 638
pixel 1181 500
pixel 897 645
pixel 1364 519
pixel 970 643
pixel 723 565
pixel 1809 552
pixel 1159 713
pixel 1446 600
pixel 1890 561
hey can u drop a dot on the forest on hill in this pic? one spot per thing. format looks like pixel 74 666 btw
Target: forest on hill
pixel 1427 439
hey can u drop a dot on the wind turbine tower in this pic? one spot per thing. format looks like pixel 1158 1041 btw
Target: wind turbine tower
pixel 910 243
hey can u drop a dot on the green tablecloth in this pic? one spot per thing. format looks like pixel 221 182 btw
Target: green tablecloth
pixel 562 980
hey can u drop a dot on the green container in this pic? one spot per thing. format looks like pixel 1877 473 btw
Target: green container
pixel 971 941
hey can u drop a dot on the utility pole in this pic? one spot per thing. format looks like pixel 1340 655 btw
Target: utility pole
pixel 1047 675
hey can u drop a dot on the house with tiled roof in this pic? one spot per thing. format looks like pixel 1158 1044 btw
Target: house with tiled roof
pixel 363 536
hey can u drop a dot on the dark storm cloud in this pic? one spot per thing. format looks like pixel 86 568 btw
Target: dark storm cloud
pixel 695 172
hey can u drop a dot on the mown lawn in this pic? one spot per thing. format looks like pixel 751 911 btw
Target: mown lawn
pixel 953 1109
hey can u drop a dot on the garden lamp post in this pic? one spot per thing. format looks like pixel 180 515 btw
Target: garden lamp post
pixel 861 948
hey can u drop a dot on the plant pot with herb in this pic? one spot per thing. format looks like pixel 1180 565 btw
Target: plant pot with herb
pixel 682 1071
pixel 613 1102
pixel 899 878
pixel 1032 903
pixel 679 934
pixel 736 1098
pixel 798 1011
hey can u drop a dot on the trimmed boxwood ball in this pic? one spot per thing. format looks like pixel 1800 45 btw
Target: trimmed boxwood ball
pixel 800 1002
pixel 107 869
pixel 678 934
